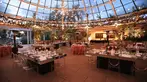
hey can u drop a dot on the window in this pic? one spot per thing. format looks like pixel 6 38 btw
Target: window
pixel 111 13
pixel 108 6
pixel 2 7
pixel 14 2
pixel 32 8
pixel 34 1
pixel 12 10
pixel 24 5
pixel 117 3
pixel 103 14
pixel 42 2
pixel 22 12
pixel 120 11
pixel 130 8
pixel 30 14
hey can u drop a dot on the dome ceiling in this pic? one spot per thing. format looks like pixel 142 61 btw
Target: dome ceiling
pixel 70 10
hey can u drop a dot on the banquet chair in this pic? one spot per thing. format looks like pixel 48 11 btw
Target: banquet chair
pixel 58 66
pixel 21 61
pixel 91 60
pixel 16 60
pixel 114 64
pixel 60 61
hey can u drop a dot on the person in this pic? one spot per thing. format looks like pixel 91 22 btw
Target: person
pixel 70 43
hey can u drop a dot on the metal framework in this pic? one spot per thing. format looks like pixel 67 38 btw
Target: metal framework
pixel 90 8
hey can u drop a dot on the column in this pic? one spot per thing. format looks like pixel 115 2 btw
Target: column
pixel 27 37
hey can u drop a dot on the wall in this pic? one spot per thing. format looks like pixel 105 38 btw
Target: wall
pixel 103 30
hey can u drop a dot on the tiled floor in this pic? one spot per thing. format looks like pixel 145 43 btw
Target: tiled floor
pixel 76 69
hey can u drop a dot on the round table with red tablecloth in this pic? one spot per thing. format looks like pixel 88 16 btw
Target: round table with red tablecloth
pixel 5 50
pixel 78 49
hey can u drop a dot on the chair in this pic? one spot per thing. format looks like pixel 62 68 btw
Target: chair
pixel 16 60
pixel 90 59
pixel 114 64
pixel 21 61
pixel 60 61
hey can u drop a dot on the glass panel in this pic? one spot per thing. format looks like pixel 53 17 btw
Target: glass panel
pixel 24 5
pixel 48 3
pixel 6 1
pixel 32 8
pixel 70 5
pixel 120 11
pixel 108 6
pixel 65 5
pixel 54 3
pixel 13 2
pixel 103 15
pixel 111 13
pixel 42 2
pixel 105 0
pixel 88 10
pixel 126 1
pixel 22 12
pixel 2 7
pixel 81 4
pixel 46 16
pixel 90 17
pixel 40 16
pixel 99 1
pixel 130 8
pixel 141 4
pixel 46 11
pixel 95 10
pixel 40 9
pixel 93 2
pixel 28 0
pixel 87 3
pixel 30 14
pixel 95 16
pixel 117 3
pixel 12 10
pixel 34 1
pixel 102 8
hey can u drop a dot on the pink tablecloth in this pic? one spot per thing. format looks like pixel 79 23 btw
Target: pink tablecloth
pixel 78 49
pixel 5 50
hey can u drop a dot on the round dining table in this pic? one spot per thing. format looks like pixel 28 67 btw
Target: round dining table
pixel 5 50
pixel 78 49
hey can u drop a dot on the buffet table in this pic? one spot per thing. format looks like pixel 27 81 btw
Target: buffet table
pixel 5 50
pixel 126 65
pixel 42 62
pixel 47 46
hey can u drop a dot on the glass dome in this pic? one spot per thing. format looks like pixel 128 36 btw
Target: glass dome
pixel 70 10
